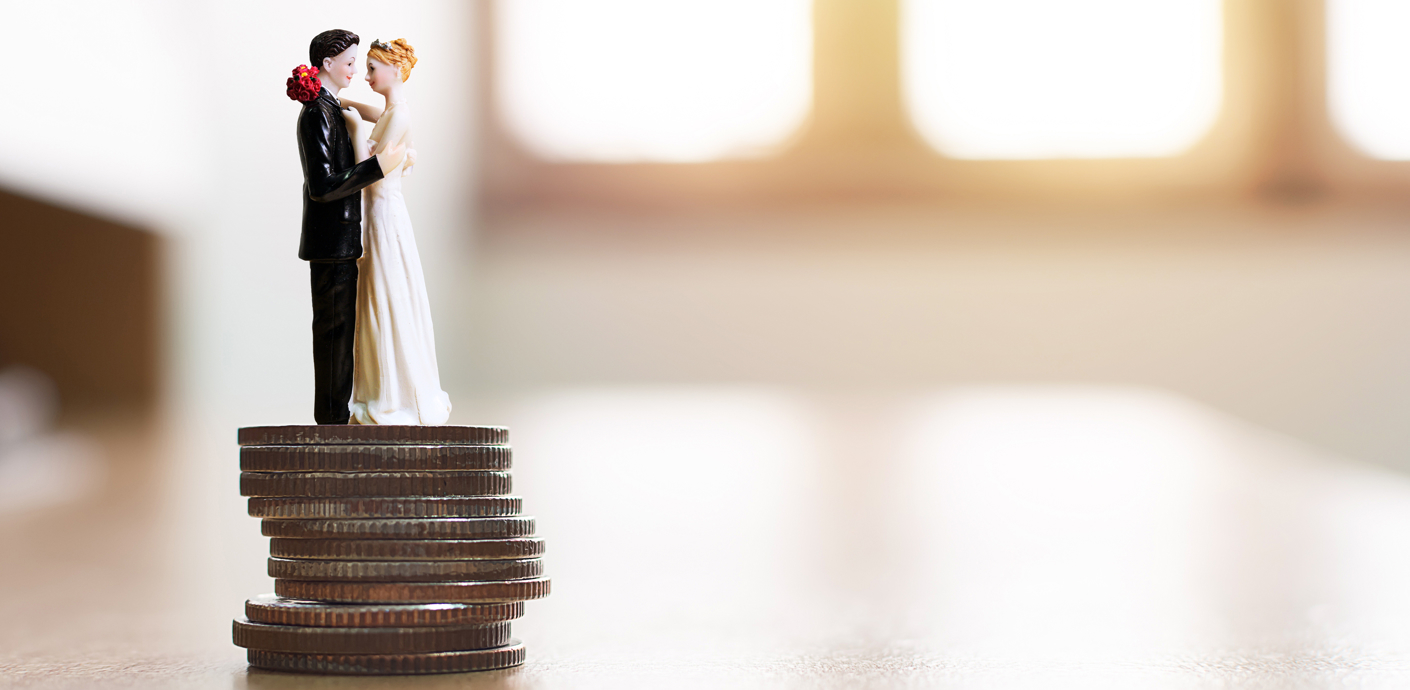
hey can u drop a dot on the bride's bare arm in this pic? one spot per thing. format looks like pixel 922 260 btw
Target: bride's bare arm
pixel 395 130
pixel 389 147
pixel 389 152
pixel 369 113
pixel 360 148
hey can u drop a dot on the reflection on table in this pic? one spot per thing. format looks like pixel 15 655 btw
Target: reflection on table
pixel 756 537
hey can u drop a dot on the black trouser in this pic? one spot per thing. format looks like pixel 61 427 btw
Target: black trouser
pixel 334 325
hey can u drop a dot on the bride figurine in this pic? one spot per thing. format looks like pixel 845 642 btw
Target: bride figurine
pixel 395 378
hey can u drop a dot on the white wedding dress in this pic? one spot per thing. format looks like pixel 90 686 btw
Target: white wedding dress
pixel 395 379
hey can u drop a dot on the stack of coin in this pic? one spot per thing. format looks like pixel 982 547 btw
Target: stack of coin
pixel 394 550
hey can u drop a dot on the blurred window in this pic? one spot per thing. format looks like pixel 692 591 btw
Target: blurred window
pixel 1368 74
pixel 652 80
pixel 1035 79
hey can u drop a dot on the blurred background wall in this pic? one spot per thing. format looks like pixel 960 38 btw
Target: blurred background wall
pixel 83 304
pixel 1200 195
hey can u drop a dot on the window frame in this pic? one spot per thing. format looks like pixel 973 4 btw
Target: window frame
pixel 1272 139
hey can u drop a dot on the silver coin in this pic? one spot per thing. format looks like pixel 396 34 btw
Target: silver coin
pixel 354 508
pixel 391 664
pixel 309 640
pixel 276 610
pixel 376 434
pixel 406 550
pixel 429 528
pixel 414 592
pixel 385 484
pixel 356 458
pixel 406 571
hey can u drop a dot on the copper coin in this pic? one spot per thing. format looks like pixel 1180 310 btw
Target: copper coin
pixel 388 484
pixel 406 571
pixel 354 458
pixel 426 528
pixel 276 610
pixel 405 550
pixel 414 592
pixel 306 640
pixel 380 434
pixel 334 508
pixel 391 664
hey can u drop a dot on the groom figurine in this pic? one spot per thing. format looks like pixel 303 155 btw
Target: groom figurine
pixel 332 230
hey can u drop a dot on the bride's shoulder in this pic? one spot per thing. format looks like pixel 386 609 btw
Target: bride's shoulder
pixel 400 111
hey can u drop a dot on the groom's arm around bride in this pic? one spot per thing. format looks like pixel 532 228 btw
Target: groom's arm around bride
pixel 332 181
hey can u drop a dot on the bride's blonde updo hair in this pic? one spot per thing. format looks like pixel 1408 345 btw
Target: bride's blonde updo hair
pixel 398 54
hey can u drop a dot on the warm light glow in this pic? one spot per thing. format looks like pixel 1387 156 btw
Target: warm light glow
pixel 671 476
pixel 1075 512
pixel 644 80
pixel 1368 74
pixel 1030 79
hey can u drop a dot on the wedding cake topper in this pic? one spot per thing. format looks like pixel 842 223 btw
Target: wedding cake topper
pixel 373 343
pixel 397 545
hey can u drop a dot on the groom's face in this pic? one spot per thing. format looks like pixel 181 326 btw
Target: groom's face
pixel 341 67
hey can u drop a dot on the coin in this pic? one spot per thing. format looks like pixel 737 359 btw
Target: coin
pixel 375 434
pixel 358 458
pixel 405 550
pixel 299 639
pixel 390 484
pixel 406 571
pixel 414 592
pixel 427 528
pixel 276 610
pixel 391 664
pixel 333 508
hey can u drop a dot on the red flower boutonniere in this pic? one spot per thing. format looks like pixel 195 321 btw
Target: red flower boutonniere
pixel 303 85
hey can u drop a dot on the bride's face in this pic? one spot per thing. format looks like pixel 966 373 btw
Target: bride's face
pixel 341 68
pixel 381 76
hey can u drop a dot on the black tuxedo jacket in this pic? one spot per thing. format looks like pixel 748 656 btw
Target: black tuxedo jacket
pixel 332 206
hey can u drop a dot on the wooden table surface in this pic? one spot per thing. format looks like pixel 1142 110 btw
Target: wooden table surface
pixel 756 537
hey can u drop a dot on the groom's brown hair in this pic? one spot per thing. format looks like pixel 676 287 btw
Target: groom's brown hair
pixel 329 44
